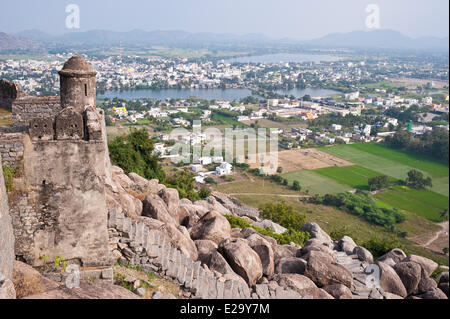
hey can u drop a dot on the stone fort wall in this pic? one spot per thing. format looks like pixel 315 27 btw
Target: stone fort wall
pixel 11 148
pixel 59 209
pixel 6 244
pixel 27 108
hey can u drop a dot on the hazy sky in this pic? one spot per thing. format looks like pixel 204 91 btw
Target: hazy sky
pixel 299 19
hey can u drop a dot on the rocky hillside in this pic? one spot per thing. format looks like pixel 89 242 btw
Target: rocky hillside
pixel 9 43
pixel 193 244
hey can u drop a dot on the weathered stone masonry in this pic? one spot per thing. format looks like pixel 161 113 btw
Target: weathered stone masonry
pixel 6 244
pixel 11 149
pixel 58 206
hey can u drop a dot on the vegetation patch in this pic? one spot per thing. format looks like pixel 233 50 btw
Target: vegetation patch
pixel 362 205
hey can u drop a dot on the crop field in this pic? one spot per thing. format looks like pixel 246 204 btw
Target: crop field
pixel 393 163
pixel 316 183
pixel 421 202
pixel 355 176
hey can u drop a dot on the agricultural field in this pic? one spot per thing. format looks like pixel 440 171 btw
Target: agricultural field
pixel 393 163
pixel 421 202
pixel 306 159
pixel 355 176
pixel 315 183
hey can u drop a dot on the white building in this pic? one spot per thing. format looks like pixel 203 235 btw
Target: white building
pixel 336 127
pixel 197 168
pixel 224 169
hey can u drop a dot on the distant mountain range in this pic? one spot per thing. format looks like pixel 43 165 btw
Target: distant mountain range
pixel 9 43
pixel 381 39
pixel 378 39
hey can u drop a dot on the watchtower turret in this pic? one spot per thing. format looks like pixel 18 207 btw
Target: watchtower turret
pixel 78 84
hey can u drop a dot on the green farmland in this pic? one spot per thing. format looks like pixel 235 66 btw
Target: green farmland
pixel 421 202
pixel 355 176
pixel 393 163
pixel 316 183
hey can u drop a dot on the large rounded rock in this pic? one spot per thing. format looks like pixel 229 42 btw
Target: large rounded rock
pixel 264 250
pixel 339 291
pixel 427 284
pixel 291 265
pixel 444 287
pixel 316 232
pixel 155 207
pixel 428 265
pixel 87 290
pixel 313 247
pixel 304 286
pixel 324 271
pixel 172 199
pixel 283 251
pixel 397 255
pixel 434 294
pixel 271 225
pixel 179 237
pixel 7 290
pixel 28 281
pixel 213 226
pixel 141 184
pixel 205 249
pixel 410 274
pixel 443 283
pixel 347 244
pixel 390 281
pixel 363 254
pixel 242 259
pixel 388 295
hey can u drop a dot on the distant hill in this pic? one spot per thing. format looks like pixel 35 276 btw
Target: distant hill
pixel 9 43
pixel 377 39
pixel 380 39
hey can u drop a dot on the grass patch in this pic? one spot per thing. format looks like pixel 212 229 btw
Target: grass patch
pixel 355 176
pixel 393 163
pixel 421 202
pixel 316 183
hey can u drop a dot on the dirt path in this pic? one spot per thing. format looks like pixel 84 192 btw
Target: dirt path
pixel 443 231
pixel 435 241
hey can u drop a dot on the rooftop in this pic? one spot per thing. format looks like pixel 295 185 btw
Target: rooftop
pixel 77 65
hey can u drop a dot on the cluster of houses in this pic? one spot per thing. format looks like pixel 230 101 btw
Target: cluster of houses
pixel 223 169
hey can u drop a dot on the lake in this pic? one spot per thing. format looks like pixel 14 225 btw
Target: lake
pixel 283 58
pixel 209 94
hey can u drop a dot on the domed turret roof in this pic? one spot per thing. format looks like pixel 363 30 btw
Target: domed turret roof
pixel 77 65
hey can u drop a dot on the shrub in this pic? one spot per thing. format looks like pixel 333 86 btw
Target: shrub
pixel 183 182
pixel 362 205
pixel 296 186
pixel 134 153
pixel 9 174
pixel 204 192
pixel 337 233
pixel 283 214
pixel 380 246
pixel 286 238
pixel 210 180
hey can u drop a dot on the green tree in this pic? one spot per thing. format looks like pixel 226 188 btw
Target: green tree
pixel 416 179
pixel 134 153
pixel 296 186
pixel 378 182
